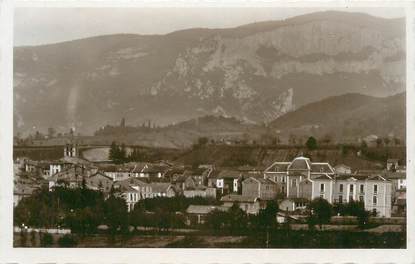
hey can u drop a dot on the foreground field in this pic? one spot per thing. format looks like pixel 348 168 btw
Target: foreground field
pixel 274 239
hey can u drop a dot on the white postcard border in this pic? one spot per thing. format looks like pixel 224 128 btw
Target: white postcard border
pixel 8 254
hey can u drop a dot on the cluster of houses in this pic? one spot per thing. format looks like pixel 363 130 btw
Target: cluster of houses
pixel 293 183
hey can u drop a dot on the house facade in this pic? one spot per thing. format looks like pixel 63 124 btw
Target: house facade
pixel 293 204
pixel 99 182
pixel 206 192
pixel 162 189
pixel 196 214
pixel 289 175
pixel 374 191
pixel 309 180
pixel 265 189
pixel 249 204
pixel 227 181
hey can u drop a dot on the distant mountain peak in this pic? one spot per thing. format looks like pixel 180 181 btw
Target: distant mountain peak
pixel 254 72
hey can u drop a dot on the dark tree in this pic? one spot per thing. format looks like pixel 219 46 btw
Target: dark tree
pixel 238 219
pixel 267 216
pixel 46 240
pixel 67 241
pixel 116 214
pixel 138 216
pixel 311 143
pixel 217 220
pixel 321 211
pixel 123 153
pixel 118 154
pixel 135 155
pixel 114 152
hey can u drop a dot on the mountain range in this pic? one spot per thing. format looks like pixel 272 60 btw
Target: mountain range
pixel 256 73
pixel 344 118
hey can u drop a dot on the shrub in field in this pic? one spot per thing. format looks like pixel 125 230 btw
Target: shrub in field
pixel 46 240
pixel 67 241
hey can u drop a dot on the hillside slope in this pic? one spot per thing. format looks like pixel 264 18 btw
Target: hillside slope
pixel 350 115
pixel 255 72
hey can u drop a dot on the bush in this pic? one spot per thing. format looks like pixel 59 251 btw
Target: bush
pixel 67 241
pixel 46 240
pixel 311 143
pixel 321 211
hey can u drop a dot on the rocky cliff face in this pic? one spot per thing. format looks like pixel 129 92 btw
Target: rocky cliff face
pixel 256 72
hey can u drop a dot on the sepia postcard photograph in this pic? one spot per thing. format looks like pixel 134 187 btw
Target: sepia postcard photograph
pixel 236 127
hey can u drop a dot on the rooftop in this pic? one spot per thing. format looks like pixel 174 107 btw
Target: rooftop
pixel 278 167
pixel 345 177
pixel 300 163
pixel 321 167
pixel 160 187
pixel 322 177
pixel 238 198
pixel 204 209
pixel 234 174
pixel 130 182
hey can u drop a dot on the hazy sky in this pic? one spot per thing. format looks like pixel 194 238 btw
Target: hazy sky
pixel 40 25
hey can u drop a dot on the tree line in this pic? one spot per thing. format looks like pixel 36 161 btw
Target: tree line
pixel 120 154
pixel 82 210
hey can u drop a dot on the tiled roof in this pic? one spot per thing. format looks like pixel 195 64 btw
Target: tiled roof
pixel 73 173
pixel 300 163
pixel 130 189
pixel 359 177
pixel 125 184
pixel 74 160
pixel 115 168
pixel 234 174
pixel 322 177
pixel 376 178
pixel 134 167
pixel 99 174
pixel 160 187
pixel 261 180
pixel 278 167
pixel 238 198
pixel 321 167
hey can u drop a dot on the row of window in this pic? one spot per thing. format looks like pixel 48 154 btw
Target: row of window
pixel 134 197
pixel 341 189
pixel 361 199
pixel 351 188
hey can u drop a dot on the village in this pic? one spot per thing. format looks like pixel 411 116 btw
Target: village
pixel 297 187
